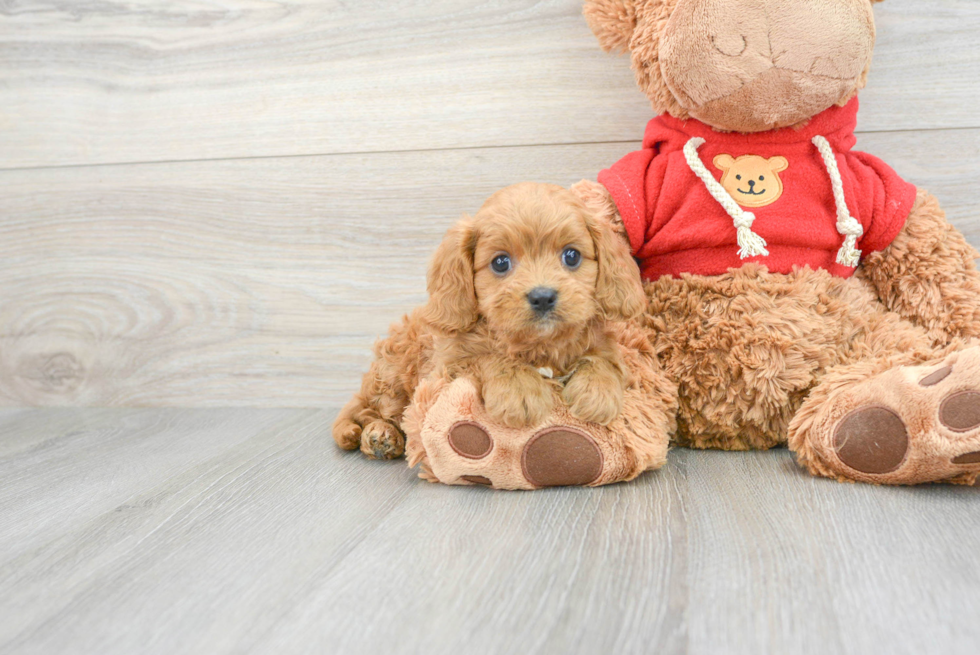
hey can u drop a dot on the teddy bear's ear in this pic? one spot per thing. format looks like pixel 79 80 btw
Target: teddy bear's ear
pixel 724 162
pixel 612 22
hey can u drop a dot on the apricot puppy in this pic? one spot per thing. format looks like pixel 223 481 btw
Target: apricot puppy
pixel 520 300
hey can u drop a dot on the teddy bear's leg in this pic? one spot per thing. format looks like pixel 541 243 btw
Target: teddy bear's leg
pixel 906 415
pixel 929 275
pixel 899 418
pixel 456 442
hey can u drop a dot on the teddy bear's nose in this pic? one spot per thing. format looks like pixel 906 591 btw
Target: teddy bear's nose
pixel 751 184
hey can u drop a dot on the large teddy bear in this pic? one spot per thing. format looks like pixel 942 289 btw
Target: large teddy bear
pixel 799 292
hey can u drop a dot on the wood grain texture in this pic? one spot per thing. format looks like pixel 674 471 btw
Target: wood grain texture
pixel 264 282
pixel 228 283
pixel 102 81
pixel 220 531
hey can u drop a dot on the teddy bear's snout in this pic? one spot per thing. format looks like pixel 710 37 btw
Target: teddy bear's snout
pixel 752 65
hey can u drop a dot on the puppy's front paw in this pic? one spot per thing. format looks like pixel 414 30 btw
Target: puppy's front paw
pixel 519 401
pixel 347 433
pixel 595 393
pixel 382 440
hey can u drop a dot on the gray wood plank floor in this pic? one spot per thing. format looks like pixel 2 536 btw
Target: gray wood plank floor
pixel 237 530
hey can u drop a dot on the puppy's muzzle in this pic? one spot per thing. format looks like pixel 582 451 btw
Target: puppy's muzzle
pixel 542 300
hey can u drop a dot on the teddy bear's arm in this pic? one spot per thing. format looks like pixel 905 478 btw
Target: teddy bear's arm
pixel 928 274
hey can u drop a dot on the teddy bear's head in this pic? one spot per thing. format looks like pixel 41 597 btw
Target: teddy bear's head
pixel 741 65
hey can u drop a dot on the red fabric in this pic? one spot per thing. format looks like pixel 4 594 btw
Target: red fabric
pixel 675 226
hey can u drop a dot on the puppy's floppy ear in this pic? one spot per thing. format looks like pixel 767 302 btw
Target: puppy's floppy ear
pixel 618 288
pixel 452 303
pixel 612 21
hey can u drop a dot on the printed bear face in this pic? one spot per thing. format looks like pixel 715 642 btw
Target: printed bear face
pixel 751 180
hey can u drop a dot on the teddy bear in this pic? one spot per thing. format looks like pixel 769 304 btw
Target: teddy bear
pixel 800 293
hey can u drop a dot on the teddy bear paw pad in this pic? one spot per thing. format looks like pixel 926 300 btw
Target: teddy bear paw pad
pixel 561 456
pixel 470 440
pixel 935 378
pixel 872 440
pixel 960 412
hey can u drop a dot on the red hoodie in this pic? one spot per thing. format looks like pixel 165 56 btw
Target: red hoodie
pixel 676 225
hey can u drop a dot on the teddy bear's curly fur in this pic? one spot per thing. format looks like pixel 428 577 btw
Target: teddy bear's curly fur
pixel 872 376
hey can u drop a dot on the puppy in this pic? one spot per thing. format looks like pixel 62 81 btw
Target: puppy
pixel 520 300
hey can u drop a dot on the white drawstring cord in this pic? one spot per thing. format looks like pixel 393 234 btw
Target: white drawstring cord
pixel 847 225
pixel 750 244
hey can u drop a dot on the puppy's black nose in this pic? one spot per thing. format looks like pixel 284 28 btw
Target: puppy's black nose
pixel 542 299
pixel 751 183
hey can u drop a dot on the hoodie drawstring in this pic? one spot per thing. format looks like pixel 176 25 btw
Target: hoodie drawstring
pixel 750 244
pixel 847 225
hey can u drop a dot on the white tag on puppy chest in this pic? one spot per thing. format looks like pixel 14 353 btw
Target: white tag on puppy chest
pixel 546 372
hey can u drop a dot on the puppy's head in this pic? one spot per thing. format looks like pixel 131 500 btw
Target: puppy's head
pixel 535 264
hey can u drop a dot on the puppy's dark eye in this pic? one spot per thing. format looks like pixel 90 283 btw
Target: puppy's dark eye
pixel 500 264
pixel 762 178
pixel 571 258
pixel 738 177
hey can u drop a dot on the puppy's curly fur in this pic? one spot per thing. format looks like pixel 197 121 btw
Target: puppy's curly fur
pixel 481 323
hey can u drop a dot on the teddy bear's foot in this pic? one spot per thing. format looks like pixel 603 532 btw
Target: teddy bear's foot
pixel 457 442
pixel 907 425
pixel 553 457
